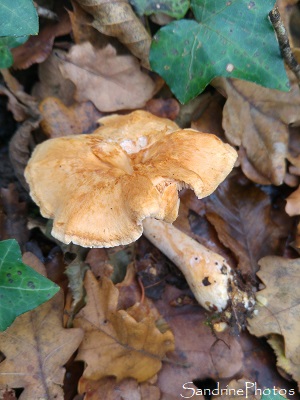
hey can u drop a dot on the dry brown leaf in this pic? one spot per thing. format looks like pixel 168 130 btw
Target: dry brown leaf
pixel 200 353
pixel 278 305
pixel 112 82
pixel 59 120
pixel 52 83
pixel 82 28
pixel 257 118
pixel 115 343
pixel 36 347
pixel 242 215
pixel 38 47
pixel 109 388
pixel 116 18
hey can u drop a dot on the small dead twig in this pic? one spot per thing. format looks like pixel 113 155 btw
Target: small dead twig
pixel 284 43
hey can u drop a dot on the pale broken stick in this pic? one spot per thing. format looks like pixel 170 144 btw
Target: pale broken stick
pixel 208 274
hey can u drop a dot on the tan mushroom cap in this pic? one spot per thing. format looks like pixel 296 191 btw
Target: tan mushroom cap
pixel 98 194
pixel 134 131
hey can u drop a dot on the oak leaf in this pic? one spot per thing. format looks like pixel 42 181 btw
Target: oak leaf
pixel 111 81
pixel 278 305
pixel 36 347
pixel 115 343
pixel 257 119
pixel 277 344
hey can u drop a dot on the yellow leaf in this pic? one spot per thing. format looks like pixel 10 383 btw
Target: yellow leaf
pixel 115 343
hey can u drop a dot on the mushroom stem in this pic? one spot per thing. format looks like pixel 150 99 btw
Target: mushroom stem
pixel 207 273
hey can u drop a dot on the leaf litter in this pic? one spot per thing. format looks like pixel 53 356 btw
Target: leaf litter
pixel 150 318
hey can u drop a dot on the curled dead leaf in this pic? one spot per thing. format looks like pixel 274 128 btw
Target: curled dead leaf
pixel 116 18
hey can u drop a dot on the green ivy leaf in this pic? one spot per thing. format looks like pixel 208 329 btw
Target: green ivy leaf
pixel 7 43
pixel 21 288
pixel 18 18
pixel 231 38
pixel 174 8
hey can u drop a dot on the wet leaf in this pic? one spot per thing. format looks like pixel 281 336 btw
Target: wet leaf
pixel 21 288
pixel 225 40
pixel 119 343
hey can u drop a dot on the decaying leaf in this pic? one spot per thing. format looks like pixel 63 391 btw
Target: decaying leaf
pixel 112 82
pixel 60 120
pixel 200 353
pixel 241 214
pixel 116 343
pixel 36 347
pixel 109 388
pixel 278 305
pixel 116 18
pixel 257 119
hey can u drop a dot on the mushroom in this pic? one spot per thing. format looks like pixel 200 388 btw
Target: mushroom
pixel 99 188
pixel 209 276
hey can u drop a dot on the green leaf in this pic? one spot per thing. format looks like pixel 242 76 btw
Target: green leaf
pixel 18 18
pixel 231 39
pixel 7 43
pixel 21 288
pixel 174 8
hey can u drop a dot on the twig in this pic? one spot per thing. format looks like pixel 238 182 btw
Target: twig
pixel 284 43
